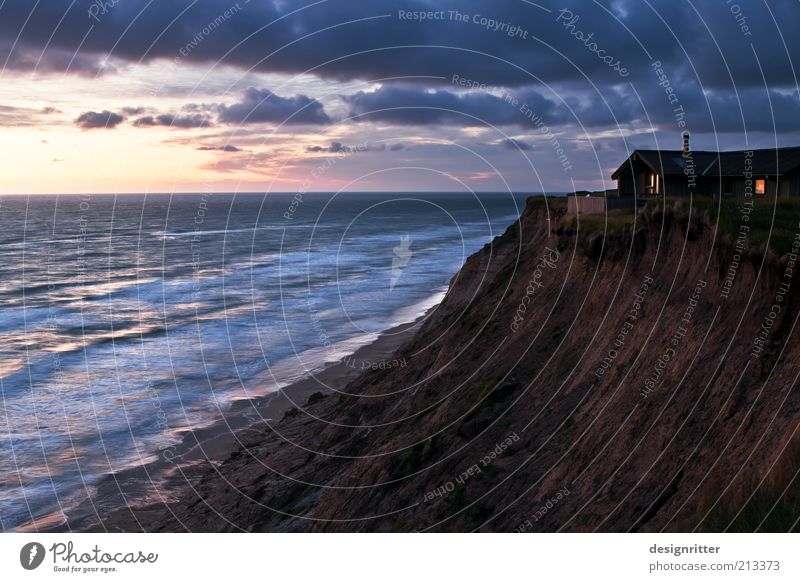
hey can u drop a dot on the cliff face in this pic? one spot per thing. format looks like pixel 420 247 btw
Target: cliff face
pixel 638 381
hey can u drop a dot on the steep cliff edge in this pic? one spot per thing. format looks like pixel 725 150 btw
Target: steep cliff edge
pixel 643 380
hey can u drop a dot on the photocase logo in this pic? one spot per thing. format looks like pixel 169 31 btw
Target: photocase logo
pixel 31 555
pixel 401 258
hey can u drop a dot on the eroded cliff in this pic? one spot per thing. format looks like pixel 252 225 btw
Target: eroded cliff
pixel 570 380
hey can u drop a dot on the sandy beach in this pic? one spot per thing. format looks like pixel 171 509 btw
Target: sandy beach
pixel 162 480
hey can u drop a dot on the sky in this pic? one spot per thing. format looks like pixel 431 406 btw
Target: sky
pixel 119 96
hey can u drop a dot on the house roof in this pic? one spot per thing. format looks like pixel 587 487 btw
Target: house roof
pixel 769 162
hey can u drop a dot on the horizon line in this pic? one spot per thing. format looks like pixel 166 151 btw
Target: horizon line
pixel 251 192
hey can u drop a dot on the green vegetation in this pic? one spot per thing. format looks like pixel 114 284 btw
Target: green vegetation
pixel 554 202
pixel 615 221
pixel 771 506
pixel 772 222
pixel 728 214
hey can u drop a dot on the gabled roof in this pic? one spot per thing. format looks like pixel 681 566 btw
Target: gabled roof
pixel 769 162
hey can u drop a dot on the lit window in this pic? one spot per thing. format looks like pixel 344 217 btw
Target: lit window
pixel 653 188
pixel 761 187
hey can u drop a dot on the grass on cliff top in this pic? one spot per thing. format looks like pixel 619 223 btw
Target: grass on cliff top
pixel 728 214
pixel 612 222
pixel 772 222
pixel 749 504
pixel 554 202
pixel 615 221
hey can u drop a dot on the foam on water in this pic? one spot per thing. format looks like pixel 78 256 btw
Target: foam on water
pixel 127 321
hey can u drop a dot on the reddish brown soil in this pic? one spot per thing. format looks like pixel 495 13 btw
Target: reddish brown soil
pixel 588 452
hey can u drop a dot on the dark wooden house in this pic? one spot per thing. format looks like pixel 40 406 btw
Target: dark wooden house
pixel 686 172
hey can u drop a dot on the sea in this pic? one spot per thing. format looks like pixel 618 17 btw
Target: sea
pixel 127 320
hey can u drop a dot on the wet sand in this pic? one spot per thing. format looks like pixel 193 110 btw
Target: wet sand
pixel 161 480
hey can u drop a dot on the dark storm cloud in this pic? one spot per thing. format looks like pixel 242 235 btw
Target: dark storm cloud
pixel 263 106
pixel 99 120
pixel 346 39
pixel 525 107
pixel 175 121
pixel 26 58
pixel 749 109
pixel 417 105
pixel 718 55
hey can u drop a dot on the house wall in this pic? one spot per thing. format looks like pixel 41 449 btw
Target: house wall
pixel 786 186
pixel 772 187
pixel 790 184
pixel 712 186
pixel 625 185
pixel 675 186
pixel 632 181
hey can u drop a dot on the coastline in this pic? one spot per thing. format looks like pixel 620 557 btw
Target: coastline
pixel 159 482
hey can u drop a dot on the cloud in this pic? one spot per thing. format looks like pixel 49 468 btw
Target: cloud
pixel 94 120
pixel 358 40
pixel 133 110
pixel 264 106
pixel 225 148
pixel 26 117
pixel 416 105
pixel 420 105
pixel 25 58
pixel 516 144
pixel 725 80
pixel 174 121
pixel 337 147
pixel 263 163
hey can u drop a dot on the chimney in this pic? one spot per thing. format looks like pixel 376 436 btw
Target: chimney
pixel 685 142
